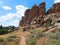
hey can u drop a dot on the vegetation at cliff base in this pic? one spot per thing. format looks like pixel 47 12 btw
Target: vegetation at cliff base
pixel 5 30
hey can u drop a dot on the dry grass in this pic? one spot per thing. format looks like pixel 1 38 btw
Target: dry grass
pixel 17 33
pixel 14 41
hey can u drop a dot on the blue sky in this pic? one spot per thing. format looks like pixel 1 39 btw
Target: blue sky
pixel 11 11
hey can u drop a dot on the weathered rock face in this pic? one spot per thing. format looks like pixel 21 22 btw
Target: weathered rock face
pixel 27 15
pixel 30 14
pixel 22 22
pixel 34 12
pixel 42 8
pixel 38 12
pixel 54 9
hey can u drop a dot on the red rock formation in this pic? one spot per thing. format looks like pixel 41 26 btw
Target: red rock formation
pixel 27 15
pixel 42 12
pixel 38 12
pixel 20 24
pixel 42 8
pixel 23 21
pixel 54 9
pixel 34 12
pixel 27 12
pixel 30 14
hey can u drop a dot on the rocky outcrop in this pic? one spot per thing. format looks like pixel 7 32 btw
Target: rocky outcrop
pixel 42 8
pixel 37 15
pixel 30 14
pixel 34 12
pixel 54 9
pixel 22 22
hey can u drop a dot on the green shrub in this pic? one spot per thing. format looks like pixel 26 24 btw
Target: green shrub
pixel 55 35
pixel 40 34
pixel 11 38
pixel 24 29
pixel 31 41
pixel 37 34
pixel 1 40
pixel 3 31
pixel 48 23
pixel 53 42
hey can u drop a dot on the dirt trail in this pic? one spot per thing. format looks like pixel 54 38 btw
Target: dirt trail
pixel 22 41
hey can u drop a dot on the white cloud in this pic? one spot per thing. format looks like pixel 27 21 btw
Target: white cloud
pixel 20 9
pixel 7 8
pixel 6 17
pixel 15 23
pixel 56 1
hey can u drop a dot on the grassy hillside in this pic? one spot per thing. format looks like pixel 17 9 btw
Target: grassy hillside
pixel 33 37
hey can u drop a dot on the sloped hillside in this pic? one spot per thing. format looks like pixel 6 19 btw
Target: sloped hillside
pixel 37 27
pixel 37 17
pixel 44 27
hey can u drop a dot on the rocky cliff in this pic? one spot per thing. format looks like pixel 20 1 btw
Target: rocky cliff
pixel 37 15
pixel 54 9
pixel 30 14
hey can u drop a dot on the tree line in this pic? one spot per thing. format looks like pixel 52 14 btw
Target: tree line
pixel 5 30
